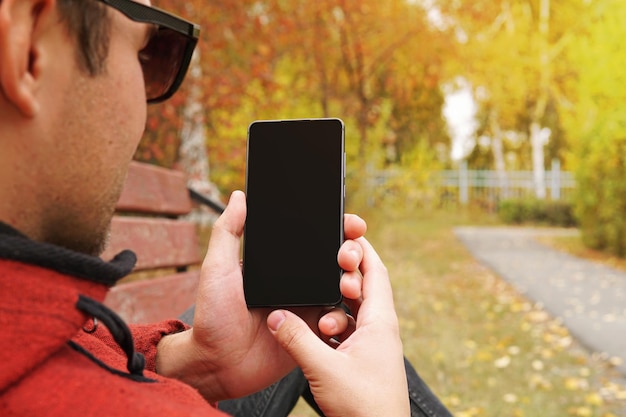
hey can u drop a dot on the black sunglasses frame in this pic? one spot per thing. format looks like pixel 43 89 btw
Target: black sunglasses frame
pixel 141 13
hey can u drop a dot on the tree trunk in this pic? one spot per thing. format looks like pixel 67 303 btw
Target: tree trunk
pixel 538 139
pixel 193 158
pixel 539 136
pixel 498 155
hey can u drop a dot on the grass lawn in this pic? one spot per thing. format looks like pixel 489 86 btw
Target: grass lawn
pixel 484 349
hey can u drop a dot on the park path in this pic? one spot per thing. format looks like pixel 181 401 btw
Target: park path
pixel 590 298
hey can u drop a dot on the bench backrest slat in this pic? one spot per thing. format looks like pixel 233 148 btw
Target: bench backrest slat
pixel 156 299
pixel 153 189
pixel 146 222
pixel 158 243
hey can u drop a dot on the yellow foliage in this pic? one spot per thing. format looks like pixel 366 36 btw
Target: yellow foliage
pixel 594 399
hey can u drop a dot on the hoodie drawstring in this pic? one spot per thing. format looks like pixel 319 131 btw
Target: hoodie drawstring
pixel 119 330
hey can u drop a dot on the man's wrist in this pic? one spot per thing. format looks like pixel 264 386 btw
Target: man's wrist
pixel 179 357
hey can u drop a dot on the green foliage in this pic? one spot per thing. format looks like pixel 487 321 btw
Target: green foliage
pixel 601 195
pixel 408 184
pixel 228 130
pixel 597 124
pixel 534 211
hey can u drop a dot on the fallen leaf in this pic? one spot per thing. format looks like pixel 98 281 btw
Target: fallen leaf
pixel 502 362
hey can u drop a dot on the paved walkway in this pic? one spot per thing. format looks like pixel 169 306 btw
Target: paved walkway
pixel 588 297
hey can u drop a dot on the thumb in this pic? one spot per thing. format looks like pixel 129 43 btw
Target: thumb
pixel 298 340
pixel 227 230
pixel 221 263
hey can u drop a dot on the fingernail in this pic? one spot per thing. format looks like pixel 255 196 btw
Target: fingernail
pixel 276 319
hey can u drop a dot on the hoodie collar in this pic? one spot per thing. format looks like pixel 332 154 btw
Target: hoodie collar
pixel 18 247
pixel 42 287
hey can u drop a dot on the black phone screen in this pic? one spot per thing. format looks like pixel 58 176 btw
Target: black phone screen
pixel 295 201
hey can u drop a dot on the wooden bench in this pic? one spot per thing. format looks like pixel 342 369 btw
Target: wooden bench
pixel 147 221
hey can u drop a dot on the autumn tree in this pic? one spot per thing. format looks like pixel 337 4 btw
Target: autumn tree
pixel 386 80
pixel 279 59
pixel 513 54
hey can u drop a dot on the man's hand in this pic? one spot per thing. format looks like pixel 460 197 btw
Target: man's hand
pixel 230 352
pixel 365 374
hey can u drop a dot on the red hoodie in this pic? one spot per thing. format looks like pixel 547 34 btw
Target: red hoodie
pixel 50 366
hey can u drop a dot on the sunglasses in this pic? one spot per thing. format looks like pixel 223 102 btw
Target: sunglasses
pixel 165 59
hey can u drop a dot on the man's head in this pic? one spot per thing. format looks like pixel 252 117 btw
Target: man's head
pixel 73 108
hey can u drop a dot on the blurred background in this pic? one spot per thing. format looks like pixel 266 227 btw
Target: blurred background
pixel 457 112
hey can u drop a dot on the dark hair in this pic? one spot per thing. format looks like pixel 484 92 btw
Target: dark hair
pixel 88 24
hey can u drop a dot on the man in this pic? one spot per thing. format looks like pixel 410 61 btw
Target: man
pixel 75 77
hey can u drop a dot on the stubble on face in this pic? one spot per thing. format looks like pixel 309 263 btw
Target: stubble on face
pixel 92 244
pixel 91 133
pixel 83 226
pixel 96 152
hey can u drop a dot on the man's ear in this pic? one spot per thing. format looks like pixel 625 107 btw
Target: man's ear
pixel 18 52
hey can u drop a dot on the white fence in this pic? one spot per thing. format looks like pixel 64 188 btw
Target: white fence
pixel 485 187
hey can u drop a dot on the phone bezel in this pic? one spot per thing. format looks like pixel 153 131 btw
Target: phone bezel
pixel 336 298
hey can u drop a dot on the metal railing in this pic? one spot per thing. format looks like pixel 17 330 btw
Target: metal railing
pixel 463 185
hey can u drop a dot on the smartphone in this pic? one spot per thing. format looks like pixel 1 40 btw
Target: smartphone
pixel 295 178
